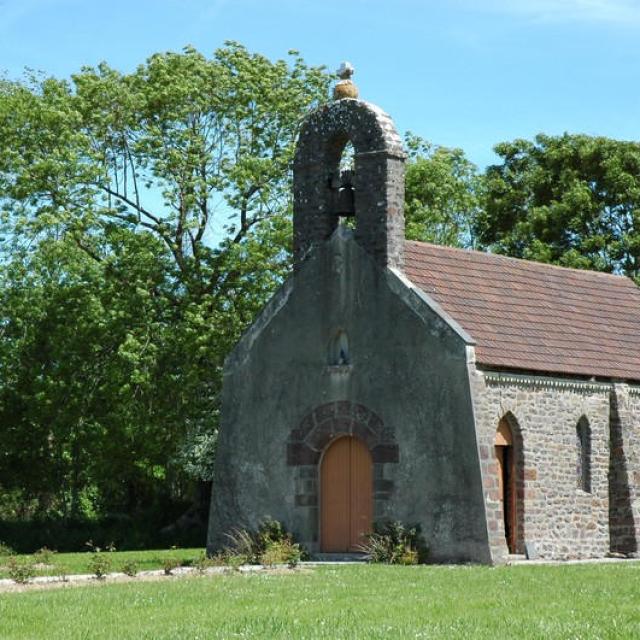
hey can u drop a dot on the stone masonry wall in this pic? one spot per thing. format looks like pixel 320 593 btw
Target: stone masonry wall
pixel 557 519
pixel 624 494
pixel 378 180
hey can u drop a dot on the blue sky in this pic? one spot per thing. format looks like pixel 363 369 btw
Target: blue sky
pixel 466 73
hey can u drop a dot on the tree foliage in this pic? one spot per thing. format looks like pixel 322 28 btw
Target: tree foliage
pixel 572 200
pixel 442 194
pixel 145 221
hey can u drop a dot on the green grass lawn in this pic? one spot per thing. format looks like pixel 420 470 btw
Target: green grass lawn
pixel 350 602
pixel 75 563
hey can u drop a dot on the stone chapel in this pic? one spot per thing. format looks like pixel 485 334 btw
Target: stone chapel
pixel 493 401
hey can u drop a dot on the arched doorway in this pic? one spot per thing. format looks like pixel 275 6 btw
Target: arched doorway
pixel 507 478
pixel 346 495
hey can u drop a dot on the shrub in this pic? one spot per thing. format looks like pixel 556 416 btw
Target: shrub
pixel 235 560
pixel 99 564
pixel 243 543
pixel 20 570
pixel 281 552
pixel 146 530
pixel 396 543
pixel 270 544
pixel 169 564
pixel 44 555
pixel 130 568
pixel 271 531
pixel 203 562
pixel 219 560
pixel 5 550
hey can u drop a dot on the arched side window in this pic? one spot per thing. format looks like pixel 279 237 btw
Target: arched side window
pixel 583 469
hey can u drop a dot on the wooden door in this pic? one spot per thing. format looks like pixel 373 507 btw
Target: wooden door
pixel 507 483
pixel 346 495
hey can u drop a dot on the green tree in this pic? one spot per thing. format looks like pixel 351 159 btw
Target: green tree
pixel 75 393
pixel 572 200
pixel 145 221
pixel 442 192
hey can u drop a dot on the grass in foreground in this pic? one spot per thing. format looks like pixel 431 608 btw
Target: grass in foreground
pixel 75 563
pixel 354 602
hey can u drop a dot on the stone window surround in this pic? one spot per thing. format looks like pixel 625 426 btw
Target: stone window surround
pixel 490 472
pixel 583 442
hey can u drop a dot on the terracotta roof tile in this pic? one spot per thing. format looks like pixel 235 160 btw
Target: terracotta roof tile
pixel 533 316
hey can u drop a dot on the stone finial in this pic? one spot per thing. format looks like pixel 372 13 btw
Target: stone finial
pixel 345 71
pixel 345 87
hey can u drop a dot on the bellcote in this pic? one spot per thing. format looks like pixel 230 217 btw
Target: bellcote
pixel 372 193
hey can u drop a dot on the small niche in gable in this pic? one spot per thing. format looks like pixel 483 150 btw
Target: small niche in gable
pixel 339 354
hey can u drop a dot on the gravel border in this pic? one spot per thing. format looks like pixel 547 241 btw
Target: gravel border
pixel 7 585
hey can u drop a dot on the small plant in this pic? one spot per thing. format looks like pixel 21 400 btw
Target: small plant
pixel 271 531
pixel 281 552
pixel 130 568
pixel 5 550
pixel 409 556
pixel 395 543
pixel 20 570
pixel 235 560
pixel 169 564
pixel 100 563
pixel 219 560
pixel 63 573
pixel 271 555
pixel 243 543
pixel 44 555
pixel 203 562
pixel 270 544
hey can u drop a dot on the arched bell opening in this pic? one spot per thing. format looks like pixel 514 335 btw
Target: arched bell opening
pixel 510 462
pixel 371 195
pixel 341 155
pixel 346 495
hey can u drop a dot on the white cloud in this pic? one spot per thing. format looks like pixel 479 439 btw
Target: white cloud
pixel 599 11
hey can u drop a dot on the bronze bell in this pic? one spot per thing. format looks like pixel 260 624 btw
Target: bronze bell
pixel 345 201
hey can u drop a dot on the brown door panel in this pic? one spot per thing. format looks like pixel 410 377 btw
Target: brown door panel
pixel 346 489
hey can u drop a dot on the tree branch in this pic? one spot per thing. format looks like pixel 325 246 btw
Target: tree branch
pixel 132 204
pixel 92 254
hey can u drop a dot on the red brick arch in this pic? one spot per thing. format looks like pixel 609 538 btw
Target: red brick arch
pixel 329 421
pixel 318 429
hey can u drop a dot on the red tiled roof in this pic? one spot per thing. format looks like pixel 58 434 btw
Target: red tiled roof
pixel 533 316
